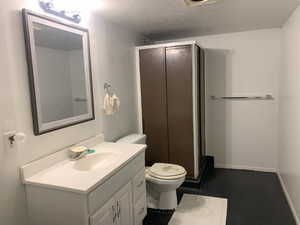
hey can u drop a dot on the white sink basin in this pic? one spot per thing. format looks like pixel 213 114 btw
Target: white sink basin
pixel 96 161
pixel 84 175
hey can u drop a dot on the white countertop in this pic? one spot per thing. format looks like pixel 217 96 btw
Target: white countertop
pixel 63 176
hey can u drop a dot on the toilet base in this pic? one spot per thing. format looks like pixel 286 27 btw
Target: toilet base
pixel 161 200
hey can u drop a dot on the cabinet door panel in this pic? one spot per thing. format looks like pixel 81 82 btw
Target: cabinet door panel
pixel 154 104
pixel 140 210
pixel 180 106
pixel 124 204
pixel 105 215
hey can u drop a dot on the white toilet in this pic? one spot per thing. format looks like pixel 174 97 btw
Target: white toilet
pixel 162 179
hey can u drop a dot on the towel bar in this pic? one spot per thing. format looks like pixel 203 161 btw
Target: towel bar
pixel 266 97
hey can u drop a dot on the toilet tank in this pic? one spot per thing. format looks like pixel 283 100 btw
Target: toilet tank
pixel 133 139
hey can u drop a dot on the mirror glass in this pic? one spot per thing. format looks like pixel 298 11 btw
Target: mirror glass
pixel 60 75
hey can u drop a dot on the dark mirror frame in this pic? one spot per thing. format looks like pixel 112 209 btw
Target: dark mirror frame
pixel 31 74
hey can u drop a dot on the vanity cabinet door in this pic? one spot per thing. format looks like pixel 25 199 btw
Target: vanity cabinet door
pixel 105 215
pixel 124 205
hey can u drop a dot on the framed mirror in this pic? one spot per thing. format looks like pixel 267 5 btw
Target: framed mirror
pixel 60 76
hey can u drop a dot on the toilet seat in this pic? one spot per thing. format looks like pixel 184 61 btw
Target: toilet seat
pixel 166 171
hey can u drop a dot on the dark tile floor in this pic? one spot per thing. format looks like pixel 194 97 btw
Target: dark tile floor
pixel 254 198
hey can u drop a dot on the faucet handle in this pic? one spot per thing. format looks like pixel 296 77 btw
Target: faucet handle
pixel 77 152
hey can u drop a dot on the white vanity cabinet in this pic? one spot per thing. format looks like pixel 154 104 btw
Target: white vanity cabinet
pixel 117 211
pixel 119 199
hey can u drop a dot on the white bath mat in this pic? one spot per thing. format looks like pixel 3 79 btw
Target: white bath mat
pixel 200 210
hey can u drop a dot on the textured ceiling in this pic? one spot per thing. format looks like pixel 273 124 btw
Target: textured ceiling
pixel 168 19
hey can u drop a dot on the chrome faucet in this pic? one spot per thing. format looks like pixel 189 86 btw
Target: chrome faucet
pixel 78 155
pixel 78 152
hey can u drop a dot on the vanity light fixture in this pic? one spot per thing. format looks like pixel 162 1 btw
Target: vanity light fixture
pixel 49 7
pixel 192 3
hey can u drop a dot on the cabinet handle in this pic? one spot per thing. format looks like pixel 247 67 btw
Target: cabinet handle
pixel 141 211
pixel 114 214
pixel 118 209
pixel 140 184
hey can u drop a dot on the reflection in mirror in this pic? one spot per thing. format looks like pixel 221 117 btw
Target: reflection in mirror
pixel 60 74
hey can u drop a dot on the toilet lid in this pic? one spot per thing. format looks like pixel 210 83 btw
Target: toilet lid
pixel 167 171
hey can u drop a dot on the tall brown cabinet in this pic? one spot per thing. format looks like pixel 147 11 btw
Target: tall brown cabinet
pixel 173 108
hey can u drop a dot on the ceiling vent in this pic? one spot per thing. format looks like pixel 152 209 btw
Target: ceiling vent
pixel 199 2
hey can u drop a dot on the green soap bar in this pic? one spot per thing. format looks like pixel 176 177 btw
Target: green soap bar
pixel 91 151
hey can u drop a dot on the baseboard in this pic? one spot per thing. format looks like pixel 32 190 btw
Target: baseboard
pixel 261 169
pixel 288 197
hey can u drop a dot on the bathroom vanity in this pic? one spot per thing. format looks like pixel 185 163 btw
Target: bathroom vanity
pixel 104 188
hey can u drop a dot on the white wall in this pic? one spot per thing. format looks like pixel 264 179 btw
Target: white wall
pixel 242 134
pixel 289 119
pixel 120 76
pixel 112 60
